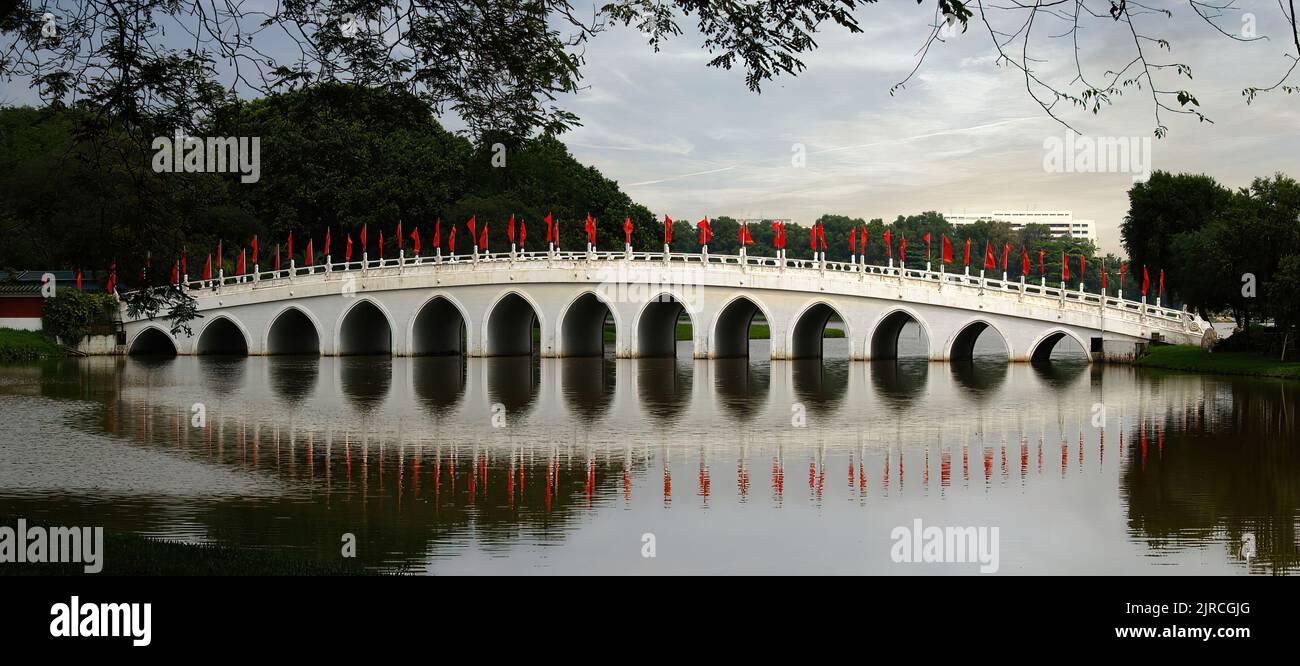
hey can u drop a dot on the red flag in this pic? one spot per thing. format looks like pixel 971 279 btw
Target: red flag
pixel 185 270
pixel 220 259
pixel 947 250
pixel 1042 270
pixel 902 249
pixel 308 251
pixel 347 250
pixel 821 235
pixel 1103 277
pixel 812 237
pixel 451 240
pixel 510 230
pixel 926 238
pixel 482 241
pixel 473 232
pixel 1146 280
pixel 706 231
pixel 967 254
pixel 381 243
pixel 989 262
pixel 590 226
pixel 1121 275
pixel 415 241
pixel 627 230
pixel 550 229
pixel 1006 252
pixel 363 237
pixel 1024 262
pixel 1081 267
pixel 399 237
pixel 853 240
pixel 207 268
pixel 112 277
pixel 277 257
pixel 862 242
pixel 1162 283
pixel 437 233
pixel 889 249
pixel 523 233
pixel 778 235
pixel 1065 268
pixel 78 279
pixel 327 242
pixel 668 230
pixel 176 271
pixel 241 269
pixel 254 248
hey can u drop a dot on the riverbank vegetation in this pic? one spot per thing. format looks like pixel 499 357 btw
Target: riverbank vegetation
pixel 1190 358
pixel 18 345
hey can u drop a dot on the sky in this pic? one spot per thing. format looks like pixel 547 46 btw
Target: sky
pixel 688 140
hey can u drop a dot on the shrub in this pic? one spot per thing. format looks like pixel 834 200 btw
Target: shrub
pixel 70 314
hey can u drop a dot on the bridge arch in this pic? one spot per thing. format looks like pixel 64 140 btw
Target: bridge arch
pixel 961 346
pixel 581 325
pixel 655 326
pixel 293 330
pixel 153 341
pixel 730 337
pixel 223 334
pixel 440 326
pixel 508 325
pixel 807 333
pixel 1041 350
pixel 364 328
pixel 883 343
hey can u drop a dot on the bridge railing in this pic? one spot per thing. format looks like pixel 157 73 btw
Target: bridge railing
pixel 1111 304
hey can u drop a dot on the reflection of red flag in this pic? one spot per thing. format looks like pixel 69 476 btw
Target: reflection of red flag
pixel 347 250
pixel 415 240
pixel 853 240
pixel 627 230
pixel 668 230
pixel 1065 268
pixel 889 249
pixel 989 262
pixel 967 253
pixel 947 250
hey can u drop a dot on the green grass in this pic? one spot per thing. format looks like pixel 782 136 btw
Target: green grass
pixel 18 345
pixel 128 554
pixel 1191 358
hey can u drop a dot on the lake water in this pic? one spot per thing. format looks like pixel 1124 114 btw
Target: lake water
pixel 525 465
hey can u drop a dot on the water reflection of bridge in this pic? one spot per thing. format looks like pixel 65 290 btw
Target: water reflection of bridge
pixel 415 478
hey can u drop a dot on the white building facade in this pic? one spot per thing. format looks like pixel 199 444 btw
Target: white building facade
pixel 1061 222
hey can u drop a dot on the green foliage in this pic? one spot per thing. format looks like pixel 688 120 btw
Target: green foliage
pixel 179 306
pixel 70 314
pixel 26 346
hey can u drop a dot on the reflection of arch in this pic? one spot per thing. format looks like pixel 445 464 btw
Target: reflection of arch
pixel 587 386
pixel 961 347
pixel 656 326
pixel 513 382
pixel 741 387
pixel 365 381
pixel 439 382
pixel 581 326
pixel 663 386
pixel 809 330
pixel 900 383
pixel 293 331
pixel 818 385
pixel 884 334
pixel 153 341
pixel 1041 350
pixel 293 378
pixel 731 327
pixel 364 328
pixel 508 326
pixel 439 327
pixel 223 335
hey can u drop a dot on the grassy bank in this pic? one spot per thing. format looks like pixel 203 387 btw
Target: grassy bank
pixel 1190 358
pixel 133 555
pixel 26 346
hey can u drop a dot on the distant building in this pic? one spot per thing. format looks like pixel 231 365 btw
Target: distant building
pixel 21 301
pixel 1061 222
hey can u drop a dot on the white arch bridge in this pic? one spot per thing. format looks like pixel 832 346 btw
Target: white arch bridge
pixel 489 305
